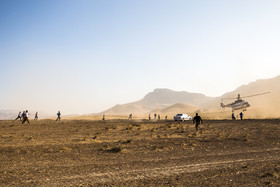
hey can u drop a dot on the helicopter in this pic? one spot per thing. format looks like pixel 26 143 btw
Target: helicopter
pixel 239 103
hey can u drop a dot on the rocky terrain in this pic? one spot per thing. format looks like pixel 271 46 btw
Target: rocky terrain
pixel 140 153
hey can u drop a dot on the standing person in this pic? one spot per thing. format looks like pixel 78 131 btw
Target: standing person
pixel 158 117
pixel 25 118
pixel 232 116
pixel 155 116
pixel 197 120
pixel 36 116
pixel 149 116
pixel 19 116
pixel 165 117
pixel 58 116
pixel 103 118
pixel 130 117
pixel 241 115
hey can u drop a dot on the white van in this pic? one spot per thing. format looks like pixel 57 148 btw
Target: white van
pixel 182 117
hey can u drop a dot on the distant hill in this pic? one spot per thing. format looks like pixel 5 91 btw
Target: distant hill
pixel 169 102
pixel 177 108
pixel 170 97
pixel 157 100
pixel 166 101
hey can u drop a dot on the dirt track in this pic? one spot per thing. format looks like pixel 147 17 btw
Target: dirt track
pixel 133 153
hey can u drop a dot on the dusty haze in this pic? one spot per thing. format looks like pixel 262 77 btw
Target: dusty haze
pixel 168 102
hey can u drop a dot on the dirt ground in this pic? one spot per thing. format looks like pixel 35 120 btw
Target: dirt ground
pixel 140 153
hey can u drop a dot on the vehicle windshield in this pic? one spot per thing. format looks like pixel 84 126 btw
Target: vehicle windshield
pixel 179 114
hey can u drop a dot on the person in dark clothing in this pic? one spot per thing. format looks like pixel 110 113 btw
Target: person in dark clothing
pixel 232 116
pixel 58 116
pixel 197 119
pixel 36 116
pixel 19 116
pixel 22 116
pixel 241 115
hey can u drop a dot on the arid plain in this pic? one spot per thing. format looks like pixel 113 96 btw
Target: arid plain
pixel 140 152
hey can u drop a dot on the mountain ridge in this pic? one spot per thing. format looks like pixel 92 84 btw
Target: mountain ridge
pixel 158 99
pixel 167 101
pixel 162 100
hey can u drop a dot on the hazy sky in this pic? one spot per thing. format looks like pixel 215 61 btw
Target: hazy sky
pixel 86 56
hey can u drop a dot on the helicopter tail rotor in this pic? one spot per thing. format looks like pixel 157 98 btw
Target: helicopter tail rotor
pixel 222 104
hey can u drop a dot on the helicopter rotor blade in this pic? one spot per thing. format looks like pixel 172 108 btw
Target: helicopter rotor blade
pixel 228 98
pixel 246 96
pixel 256 95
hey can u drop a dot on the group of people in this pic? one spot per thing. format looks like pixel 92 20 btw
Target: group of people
pixel 240 114
pixel 197 120
pixel 24 116
pixel 156 116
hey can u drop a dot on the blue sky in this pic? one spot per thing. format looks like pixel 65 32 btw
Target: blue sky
pixel 86 56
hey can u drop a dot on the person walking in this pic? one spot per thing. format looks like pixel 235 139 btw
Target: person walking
pixel 197 119
pixel 19 116
pixel 36 116
pixel 232 116
pixel 130 117
pixel 58 116
pixel 25 118
pixel 22 116
pixel 241 115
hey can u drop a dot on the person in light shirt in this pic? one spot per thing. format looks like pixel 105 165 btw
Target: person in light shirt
pixel 25 117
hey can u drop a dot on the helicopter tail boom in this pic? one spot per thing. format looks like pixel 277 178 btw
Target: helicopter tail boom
pixel 223 105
